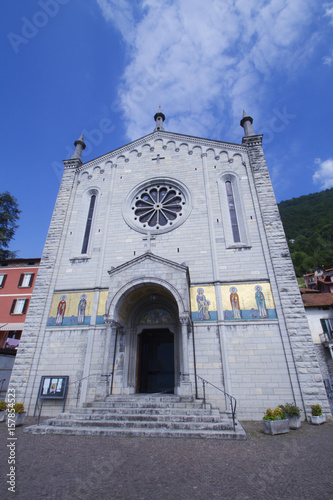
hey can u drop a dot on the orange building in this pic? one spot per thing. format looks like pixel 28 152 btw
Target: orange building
pixel 17 279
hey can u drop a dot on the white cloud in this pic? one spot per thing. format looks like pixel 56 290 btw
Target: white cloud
pixel 324 173
pixel 328 60
pixel 120 13
pixel 205 60
pixel 329 11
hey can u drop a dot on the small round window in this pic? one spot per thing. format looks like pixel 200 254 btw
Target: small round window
pixel 157 206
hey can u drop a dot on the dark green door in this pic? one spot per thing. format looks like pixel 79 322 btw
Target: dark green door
pixel 156 361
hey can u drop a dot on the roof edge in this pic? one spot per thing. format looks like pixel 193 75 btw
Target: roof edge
pixel 161 133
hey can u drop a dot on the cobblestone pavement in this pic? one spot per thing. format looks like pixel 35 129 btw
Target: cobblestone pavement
pixel 292 466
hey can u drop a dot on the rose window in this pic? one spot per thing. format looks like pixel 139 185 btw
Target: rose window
pixel 158 206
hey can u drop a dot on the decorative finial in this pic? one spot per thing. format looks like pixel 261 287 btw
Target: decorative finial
pixel 79 147
pixel 159 119
pixel 246 123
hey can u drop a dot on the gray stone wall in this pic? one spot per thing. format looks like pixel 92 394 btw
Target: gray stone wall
pixel 295 333
pixel 25 374
pixel 325 361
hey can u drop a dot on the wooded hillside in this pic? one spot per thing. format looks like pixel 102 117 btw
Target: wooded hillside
pixel 309 221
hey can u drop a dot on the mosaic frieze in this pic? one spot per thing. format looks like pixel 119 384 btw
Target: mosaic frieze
pixel 248 302
pixel 239 302
pixel 203 303
pixel 71 309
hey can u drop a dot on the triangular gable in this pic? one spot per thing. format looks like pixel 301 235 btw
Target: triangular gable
pixel 154 260
pixel 167 136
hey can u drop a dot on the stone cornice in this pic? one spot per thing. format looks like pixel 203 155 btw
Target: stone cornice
pixel 72 163
pixel 253 140
pixel 148 256
pixel 167 136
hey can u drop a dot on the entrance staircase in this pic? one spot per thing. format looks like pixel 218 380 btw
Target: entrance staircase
pixel 144 415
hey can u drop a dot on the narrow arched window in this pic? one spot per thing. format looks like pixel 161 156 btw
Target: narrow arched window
pixel 88 224
pixel 232 212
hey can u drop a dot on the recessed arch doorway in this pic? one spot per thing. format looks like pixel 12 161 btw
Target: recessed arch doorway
pixel 151 341
pixel 149 317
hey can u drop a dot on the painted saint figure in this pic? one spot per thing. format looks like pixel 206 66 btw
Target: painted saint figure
pixel 260 300
pixel 203 305
pixel 82 309
pixel 234 301
pixel 205 309
pixel 156 316
pixel 61 310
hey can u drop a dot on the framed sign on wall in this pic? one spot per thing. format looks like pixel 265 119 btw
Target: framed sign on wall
pixel 53 387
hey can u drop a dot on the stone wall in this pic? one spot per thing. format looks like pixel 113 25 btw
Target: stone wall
pixel 26 367
pixel 295 334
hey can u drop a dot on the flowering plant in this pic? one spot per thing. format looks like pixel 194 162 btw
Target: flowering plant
pixel 19 407
pixel 276 414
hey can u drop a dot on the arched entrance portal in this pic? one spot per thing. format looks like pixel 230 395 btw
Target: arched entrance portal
pixel 148 313
pixel 155 365
pixel 148 349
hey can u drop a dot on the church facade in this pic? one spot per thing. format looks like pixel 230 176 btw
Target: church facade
pixel 166 261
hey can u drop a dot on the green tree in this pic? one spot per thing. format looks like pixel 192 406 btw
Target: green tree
pixel 9 215
pixel 303 263
pixel 308 225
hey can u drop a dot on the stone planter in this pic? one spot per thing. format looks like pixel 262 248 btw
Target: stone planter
pixel 19 418
pixel 294 421
pixel 320 419
pixel 2 416
pixel 275 426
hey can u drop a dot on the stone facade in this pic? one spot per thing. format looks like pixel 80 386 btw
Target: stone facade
pixel 220 295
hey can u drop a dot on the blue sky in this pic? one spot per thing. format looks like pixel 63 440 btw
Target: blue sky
pixel 104 66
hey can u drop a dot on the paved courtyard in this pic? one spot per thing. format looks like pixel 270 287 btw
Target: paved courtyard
pixel 293 466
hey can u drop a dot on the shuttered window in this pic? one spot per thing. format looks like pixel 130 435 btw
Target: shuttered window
pixel 19 306
pixel 2 280
pixel 327 326
pixel 26 280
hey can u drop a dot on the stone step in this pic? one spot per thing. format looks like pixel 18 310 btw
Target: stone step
pixel 163 398
pixel 238 434
pixel 143 415
pixel 142 418
pixel 64 423
pixel 144 404
pixel 144 411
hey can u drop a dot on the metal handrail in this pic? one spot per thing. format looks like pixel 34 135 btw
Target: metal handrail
pixel 232 400
pixel 79 382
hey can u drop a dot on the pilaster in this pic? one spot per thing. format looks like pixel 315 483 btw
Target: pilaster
pixel 23 378
pixel 185 389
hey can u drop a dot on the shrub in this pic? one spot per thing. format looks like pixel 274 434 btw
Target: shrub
pixel 291 409
pixel 3 405
pixel 316 410
pixel 19 407
pixel 276 414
